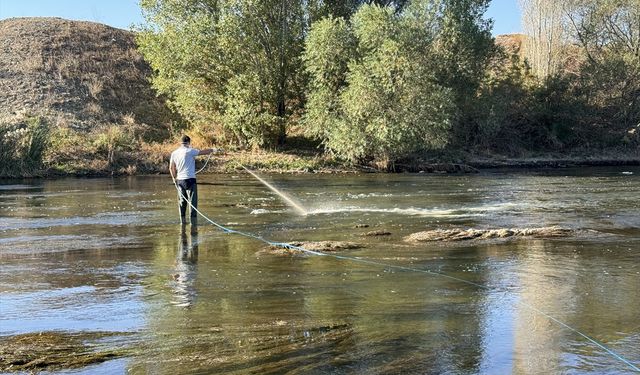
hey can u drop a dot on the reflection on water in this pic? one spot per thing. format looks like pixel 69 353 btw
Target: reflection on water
pixel 109 255
pixel 186 262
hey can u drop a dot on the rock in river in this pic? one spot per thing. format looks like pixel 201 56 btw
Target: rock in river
pixel 323 246
pixel 377 233
pixel 459 234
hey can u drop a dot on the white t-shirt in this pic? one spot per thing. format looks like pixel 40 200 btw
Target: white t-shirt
pixel 185 160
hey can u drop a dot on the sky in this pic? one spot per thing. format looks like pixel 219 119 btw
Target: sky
pixel 125 13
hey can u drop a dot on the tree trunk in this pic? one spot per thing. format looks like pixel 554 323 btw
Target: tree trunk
pixel 282 131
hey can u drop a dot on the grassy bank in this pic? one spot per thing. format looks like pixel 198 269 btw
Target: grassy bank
pixel 153 159
pixel 33 148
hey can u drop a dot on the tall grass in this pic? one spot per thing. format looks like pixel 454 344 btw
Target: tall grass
pixel 22 147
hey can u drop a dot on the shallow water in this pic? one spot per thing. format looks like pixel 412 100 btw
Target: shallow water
pixel 108 255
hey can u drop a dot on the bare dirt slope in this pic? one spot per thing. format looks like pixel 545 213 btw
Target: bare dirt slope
pixel 78 75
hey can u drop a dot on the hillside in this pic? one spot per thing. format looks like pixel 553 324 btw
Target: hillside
pixel 512 43
pixel 79 75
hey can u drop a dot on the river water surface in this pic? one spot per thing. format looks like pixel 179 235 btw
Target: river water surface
pixel 109 255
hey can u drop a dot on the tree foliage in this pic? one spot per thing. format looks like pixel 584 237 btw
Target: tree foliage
pixel 232 68
pixel 608 32
pixel 588 92
pixel 373 92
pixel 463 50
pixel 230 64
pixel 379 80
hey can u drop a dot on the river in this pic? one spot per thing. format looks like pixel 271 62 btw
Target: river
pixel 109 255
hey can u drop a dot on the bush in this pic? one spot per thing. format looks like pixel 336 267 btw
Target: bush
pixel 22 147
pixel 377 100
pixel 113 140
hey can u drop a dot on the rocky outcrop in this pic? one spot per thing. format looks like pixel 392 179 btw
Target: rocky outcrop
pixel 482 234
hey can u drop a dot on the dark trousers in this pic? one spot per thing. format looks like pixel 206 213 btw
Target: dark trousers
pixel 188 190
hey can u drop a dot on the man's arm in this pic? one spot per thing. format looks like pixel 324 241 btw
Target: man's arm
pixel 173 170
pixel 207 151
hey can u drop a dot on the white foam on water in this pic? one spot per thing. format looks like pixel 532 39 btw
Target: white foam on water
pixel 415 211
pixel 372 195
pixel 400 211
pixel 409 211
pixel 262 211
pixel 261 199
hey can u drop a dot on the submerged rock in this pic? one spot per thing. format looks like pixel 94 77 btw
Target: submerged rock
pixel 323 246
pixel 471 234
pixel 53 351
pixel 375 233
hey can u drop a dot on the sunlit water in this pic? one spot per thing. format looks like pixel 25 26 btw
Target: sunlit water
pixel 108 255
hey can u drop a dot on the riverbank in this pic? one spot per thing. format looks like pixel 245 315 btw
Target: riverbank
pixel 153 159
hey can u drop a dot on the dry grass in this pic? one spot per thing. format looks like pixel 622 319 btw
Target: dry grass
pixel 90 85
pixel 88 73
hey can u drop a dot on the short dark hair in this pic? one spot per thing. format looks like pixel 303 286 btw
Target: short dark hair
pixel 186 139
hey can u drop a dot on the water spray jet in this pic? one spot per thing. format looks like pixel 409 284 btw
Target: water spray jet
pixel 299 209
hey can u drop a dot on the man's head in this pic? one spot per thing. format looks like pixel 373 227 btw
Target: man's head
pixel 186 140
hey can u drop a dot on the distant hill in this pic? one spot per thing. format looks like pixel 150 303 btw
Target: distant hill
pixel 78 75
pixel 512 43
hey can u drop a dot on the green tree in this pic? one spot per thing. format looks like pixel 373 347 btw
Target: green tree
pixel 373 96
pixel 329 48
pixel 608 32
pixel 346 8
pixel 231 67
pixel 463 50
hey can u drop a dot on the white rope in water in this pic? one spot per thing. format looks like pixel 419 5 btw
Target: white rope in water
pixel 434 273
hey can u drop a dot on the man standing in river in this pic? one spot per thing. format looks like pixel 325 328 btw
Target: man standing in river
pixel 182 167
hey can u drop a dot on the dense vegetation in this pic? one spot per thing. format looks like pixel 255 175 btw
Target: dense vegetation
pixel 362 82
pixel 584 83
pixel 382 81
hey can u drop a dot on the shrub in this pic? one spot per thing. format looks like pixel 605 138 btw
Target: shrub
pixel 22 147
pixel 113 140
pixel 379 100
